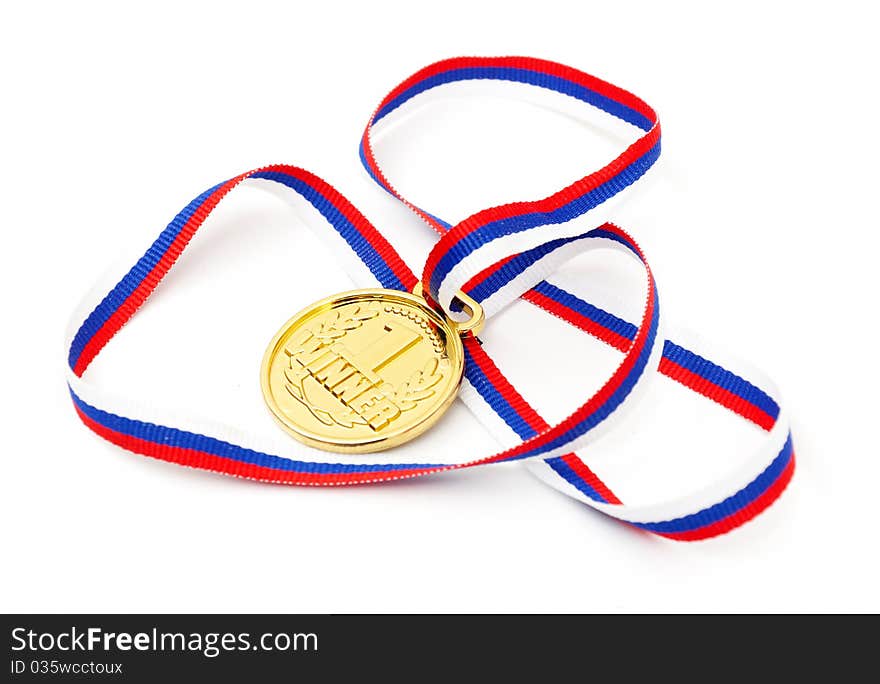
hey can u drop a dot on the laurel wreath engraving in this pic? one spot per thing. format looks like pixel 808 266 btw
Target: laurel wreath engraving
pixel 335 326
pixel 419 386
pixel 345 417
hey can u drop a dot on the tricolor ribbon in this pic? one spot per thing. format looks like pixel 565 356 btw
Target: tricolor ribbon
pixel 496 256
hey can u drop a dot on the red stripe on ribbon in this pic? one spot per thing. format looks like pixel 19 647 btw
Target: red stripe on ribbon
pixel 543 66
pixel 741 516
pixel 199 459
pixel 559 199
pixel 487 272
pixel 596 401
pixel 670 369
pixel 533 419
pixel 134 301
pixel 583 471
pixel 357 219
pixel 719 395
pixel 578 320
pixel 385 183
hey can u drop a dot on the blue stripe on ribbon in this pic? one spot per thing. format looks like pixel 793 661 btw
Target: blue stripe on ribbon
pixel 495 399
pixel 587 310
pixel 522 222
pixel 721 377
pixel 519 75
pixel 343 226
pixel 564 470
pixel 617 396
pixel 732 504
pixel 695 363
pixel 518 424
pixel 363 155
pixel 172 437
pixel 132 280
pixel 524 260
pixel 439 220
pixel 513 268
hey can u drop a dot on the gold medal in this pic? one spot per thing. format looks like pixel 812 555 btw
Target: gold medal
pixel 365 370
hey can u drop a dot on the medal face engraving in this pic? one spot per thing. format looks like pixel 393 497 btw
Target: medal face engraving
pixel 362 371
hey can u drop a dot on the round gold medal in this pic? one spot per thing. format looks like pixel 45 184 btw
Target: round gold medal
pixel 365 370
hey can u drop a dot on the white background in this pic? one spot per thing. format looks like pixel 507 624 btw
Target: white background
pixel 760 220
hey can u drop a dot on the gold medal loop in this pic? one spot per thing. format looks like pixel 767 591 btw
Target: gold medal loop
pixel 477 317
